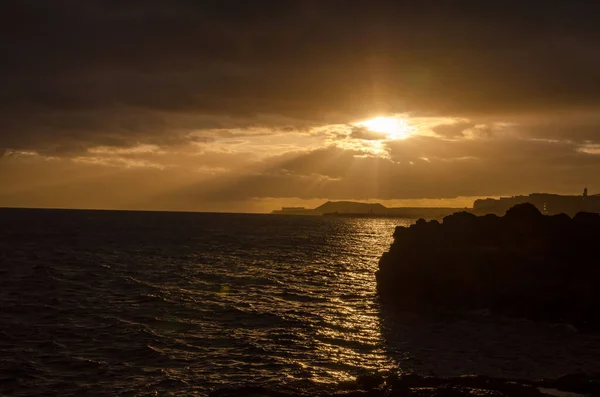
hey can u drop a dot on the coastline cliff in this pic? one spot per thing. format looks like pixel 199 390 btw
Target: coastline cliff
pixel 547 203
pixel 524 264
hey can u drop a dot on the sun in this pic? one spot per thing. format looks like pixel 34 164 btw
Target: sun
pixel 393 127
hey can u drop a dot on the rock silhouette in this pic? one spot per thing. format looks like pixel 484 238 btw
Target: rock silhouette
pixel 524 264
pixel 415 385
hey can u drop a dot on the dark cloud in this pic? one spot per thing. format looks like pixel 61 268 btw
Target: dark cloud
pixel 80 76
pixel 361 132
pixel 70 66
pixel 330 161
pixel 452 130
pixel 73 132
pixel 577 128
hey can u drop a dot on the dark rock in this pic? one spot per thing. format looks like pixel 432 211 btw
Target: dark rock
pixel 525 211
pixel 414 385
pixel 369 381
pixel 587 217
pixel 451 391
pixel 478 381
pixel 249 391
pixel 523 264
pixel 395 391
pixel 509 388
pixel 411 380
pixel 358 393
pixel 576 383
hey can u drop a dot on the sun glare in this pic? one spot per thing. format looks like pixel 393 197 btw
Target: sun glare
pixel 393 127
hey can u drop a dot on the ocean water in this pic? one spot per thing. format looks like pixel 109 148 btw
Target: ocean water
pixel 150 303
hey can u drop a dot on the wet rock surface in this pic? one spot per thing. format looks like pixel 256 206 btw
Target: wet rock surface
pixel 414 385
pixel 523 264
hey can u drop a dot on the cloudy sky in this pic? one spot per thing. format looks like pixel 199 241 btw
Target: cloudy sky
pixel 250 105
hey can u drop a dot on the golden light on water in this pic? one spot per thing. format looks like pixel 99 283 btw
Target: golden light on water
pixel 394 128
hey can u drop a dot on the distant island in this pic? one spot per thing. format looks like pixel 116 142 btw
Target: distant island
pixel 358 209
pixel 546 203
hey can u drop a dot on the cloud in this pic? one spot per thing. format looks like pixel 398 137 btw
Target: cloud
pixel 452 130
pixel 143 71
pixel 590 149
pixel 332 162
pixel 362 132
pixel 418 167
pixel 259 100
pixel 579 127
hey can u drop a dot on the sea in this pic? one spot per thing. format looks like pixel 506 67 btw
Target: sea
pixel 164 303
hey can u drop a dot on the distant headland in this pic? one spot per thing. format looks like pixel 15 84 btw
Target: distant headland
pixel 358 209
pixel 546 203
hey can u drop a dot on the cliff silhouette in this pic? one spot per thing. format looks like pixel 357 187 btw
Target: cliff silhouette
pixel 524 264
pixel 550 204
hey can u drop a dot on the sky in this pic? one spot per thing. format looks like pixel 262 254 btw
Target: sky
pixel 251 105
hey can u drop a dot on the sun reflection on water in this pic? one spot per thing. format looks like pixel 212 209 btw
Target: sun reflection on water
pixel 350 337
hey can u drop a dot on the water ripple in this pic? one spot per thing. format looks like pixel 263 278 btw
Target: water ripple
pixel 111 303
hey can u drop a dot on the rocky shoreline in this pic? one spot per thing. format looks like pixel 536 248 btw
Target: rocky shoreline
pixel 407 385
pixel 523 264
